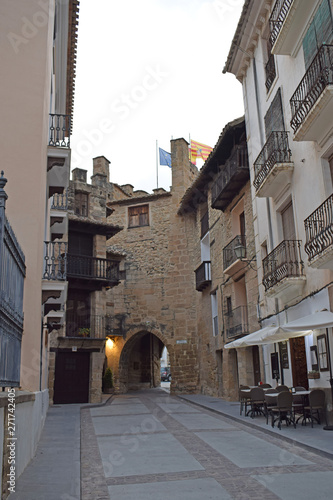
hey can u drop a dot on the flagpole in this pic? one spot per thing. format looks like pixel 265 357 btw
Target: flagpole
pixel 156 164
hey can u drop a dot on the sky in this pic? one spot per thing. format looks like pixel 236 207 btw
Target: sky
pixel 147 71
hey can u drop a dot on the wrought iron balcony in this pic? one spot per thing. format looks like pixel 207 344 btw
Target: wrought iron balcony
pixel 203 276
pixel 270 72
pixel 86 325
pixel 229 255
pixel 93 268
pixel 283 262
pixel 277 18
pixel 60 130
pixel 237 322
pixel 55 266
pixel 231 178
pixel 319 235
pixel 60 201
pixel 273 166
pixel 311 88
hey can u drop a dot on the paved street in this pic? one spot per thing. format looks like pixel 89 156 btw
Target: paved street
pixel 152 446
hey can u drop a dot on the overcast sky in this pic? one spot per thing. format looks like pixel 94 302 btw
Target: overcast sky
pixel 151 70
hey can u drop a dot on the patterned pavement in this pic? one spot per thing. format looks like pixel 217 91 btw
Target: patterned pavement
pixel 151 446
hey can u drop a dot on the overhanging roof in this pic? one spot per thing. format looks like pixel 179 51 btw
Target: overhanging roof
pixel 90 226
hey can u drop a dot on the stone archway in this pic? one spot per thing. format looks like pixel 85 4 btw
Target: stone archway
pixel 139 362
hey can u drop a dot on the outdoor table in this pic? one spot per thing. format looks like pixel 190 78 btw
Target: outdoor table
pixel 297 393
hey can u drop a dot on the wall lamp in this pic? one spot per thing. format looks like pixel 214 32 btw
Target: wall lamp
pixel 109 342
pixel 240 252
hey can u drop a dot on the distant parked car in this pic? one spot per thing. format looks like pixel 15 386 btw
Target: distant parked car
pixel 165 374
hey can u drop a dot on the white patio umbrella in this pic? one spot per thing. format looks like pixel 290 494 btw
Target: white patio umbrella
pixel 314 321
pixel 267 335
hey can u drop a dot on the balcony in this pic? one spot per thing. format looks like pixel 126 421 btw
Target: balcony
pixel 283 270
pixel 270 72
pixel 58 215
pixel 86 325
pixel 273 167
pixel 232 265
pixel 237 322
pixel 54 284
pixel 287 22
pixel 231 178
pixel 59 130
pixel 95 271
pixel 319 236
pixel 203 276
pixel 312 102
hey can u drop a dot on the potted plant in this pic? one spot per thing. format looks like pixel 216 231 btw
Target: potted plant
pixel 84 332
pixel 108 381
pixel 313 374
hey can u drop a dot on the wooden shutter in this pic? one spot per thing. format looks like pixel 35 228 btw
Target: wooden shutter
pixel 138 216
pixel 274 121
pixel 320 31
pixel 288 224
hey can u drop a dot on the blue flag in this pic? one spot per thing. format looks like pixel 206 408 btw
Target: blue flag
pixel 165 158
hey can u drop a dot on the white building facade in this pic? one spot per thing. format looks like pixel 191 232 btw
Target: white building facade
pixel 282 53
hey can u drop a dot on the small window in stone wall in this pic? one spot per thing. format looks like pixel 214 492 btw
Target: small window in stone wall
pixel 81 203
pixel 138 216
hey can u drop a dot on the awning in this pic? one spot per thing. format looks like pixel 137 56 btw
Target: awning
pixel 297 328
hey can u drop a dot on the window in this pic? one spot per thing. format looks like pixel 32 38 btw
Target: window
pixel 214 314
pixel 81 204
pixel 288 224
pixel 320 31
pixel 274 121
pixel 322 353
pixel 138 216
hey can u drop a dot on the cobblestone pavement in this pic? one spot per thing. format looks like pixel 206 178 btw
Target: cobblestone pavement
pixel 151 446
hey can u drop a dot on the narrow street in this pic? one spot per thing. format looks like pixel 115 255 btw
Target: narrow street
pixel 149 445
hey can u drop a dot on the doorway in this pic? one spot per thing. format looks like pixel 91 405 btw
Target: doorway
pixel 298 362
pixel 72 371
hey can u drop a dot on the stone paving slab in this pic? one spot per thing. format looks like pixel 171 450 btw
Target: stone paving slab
pixel 125 401
pixel 304 486
pixel 126 424
pixel 245 450
pixel 174 407
pixel 200 421
pixel 190 489
pixel 128 409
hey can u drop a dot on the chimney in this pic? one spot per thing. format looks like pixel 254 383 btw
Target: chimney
pixel 101 167
pixel 183 172
pixel 79 174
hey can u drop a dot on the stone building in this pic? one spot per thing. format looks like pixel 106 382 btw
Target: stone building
pixel 282 55
pixel 226 282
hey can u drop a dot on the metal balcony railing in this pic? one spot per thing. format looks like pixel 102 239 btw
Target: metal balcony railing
pixel 319 229
pixel 229 255
pixel 270 72
pixel 237 322
pixel 86 325
pixel 316 78
pixel 203 275
pixel 277 18
pixel 86 267
pixel 284 261
pixel 60 130
pixel 276 150
pixel 55 265
pixel 237 163
pixel 60 201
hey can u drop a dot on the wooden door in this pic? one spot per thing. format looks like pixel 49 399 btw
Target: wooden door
pixel 298 362
pixel 71 384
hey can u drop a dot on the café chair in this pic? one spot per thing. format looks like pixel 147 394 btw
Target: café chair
pixel 257 402
pixel 265 386
pixel 316 406
pixel 269 402
pixel 282 388
pixel 283 409
pixel 244 398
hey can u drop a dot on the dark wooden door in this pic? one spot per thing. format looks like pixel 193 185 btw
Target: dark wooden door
pixel 256 364
pixel 71 383
pixel 298 362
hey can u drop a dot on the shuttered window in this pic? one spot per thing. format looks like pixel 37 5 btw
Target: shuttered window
pixel 288 224
pixel 138 216
pixel 274 121
pixel 320 31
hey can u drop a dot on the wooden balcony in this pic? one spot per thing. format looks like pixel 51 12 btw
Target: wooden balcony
pixel 232 177
pixel 283 270
pixel 287 22
pixel 312 102
pixel 319 236
pixel 273 167
pixel 203 276
pixel 94 271
pixel 89 326
pixel 232 265
pixel 237 323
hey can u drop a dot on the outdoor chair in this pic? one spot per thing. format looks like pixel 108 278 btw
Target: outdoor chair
pixel 269 402
pixel 266 386
pixel 299 403
pixel 283 409
pixel 282 388
pixel 316 406
pixel 257 402
pixel 244 398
